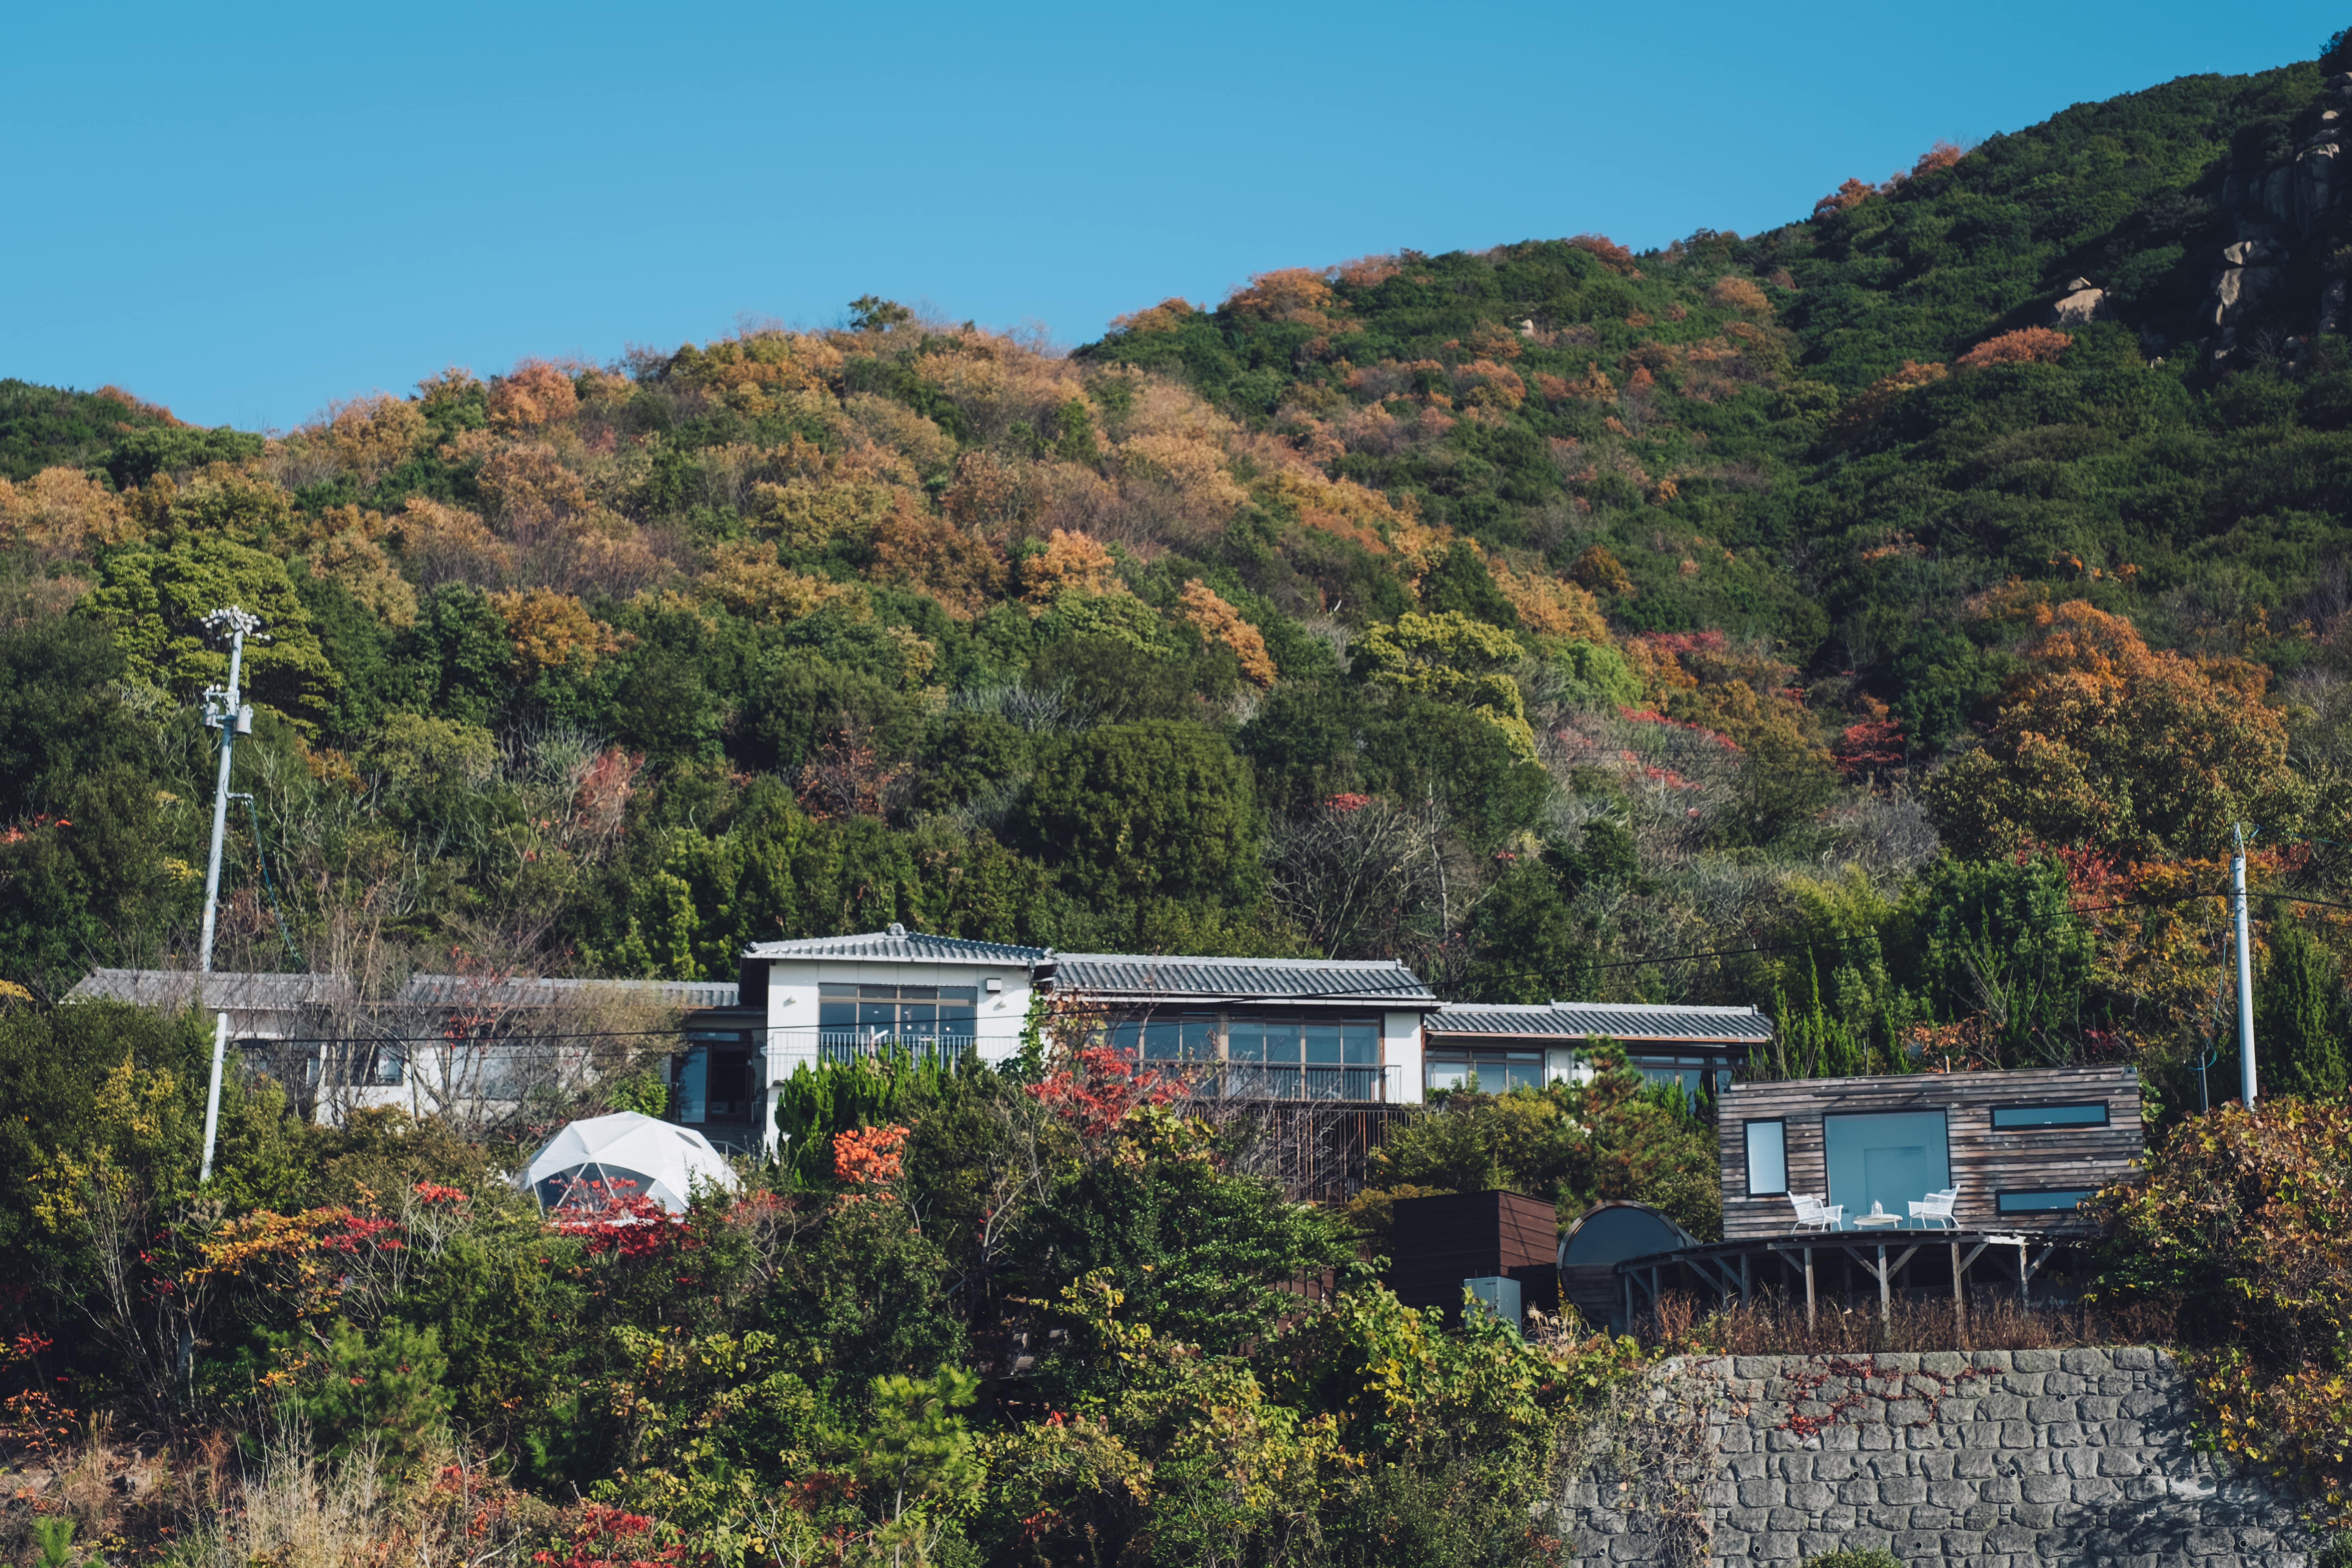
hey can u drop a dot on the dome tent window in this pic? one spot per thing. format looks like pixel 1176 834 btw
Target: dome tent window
pixel 591 1163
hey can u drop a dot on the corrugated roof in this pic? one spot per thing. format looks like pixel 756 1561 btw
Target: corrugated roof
pixel 1616 1020
pixel 1121 975
pixel 262 993
pixel 904 945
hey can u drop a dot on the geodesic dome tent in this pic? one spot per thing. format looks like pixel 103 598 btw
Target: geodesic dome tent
pixel 589 1163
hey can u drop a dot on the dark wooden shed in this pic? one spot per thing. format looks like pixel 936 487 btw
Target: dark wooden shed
pixel 1435 1243
pixel 2024 1146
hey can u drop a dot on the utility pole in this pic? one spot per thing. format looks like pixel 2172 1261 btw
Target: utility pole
pixel 2245 971
pixel 225 713
pixel 222 713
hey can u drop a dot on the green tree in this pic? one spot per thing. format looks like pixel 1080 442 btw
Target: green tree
pixel 1155 809
pixel 153 604
pixel 2300 1020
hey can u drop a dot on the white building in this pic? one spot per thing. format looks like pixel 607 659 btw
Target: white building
pixel 1270 1029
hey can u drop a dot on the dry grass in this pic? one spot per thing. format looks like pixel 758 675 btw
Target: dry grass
pixel 1772 1324
pixel 289 1508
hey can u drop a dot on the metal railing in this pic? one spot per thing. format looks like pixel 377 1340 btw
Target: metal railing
pixel 1368 1083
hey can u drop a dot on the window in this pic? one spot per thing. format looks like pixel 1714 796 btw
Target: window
pixel 1767 1159
pixel 1191 1039
pixel 852 1020
pixel 1489 1072
pixel 2023 1117
pixel 1884 1161
pixel 2056 1201
pixel 1692 1073
pixel 714 1084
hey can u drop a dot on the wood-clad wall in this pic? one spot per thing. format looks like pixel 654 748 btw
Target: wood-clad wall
pixel 1436 1243
pixel 1983 1161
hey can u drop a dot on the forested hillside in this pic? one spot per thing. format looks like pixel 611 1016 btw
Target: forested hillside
pixel 1881 619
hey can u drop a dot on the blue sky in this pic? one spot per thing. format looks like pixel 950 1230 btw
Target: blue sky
pixel 246 212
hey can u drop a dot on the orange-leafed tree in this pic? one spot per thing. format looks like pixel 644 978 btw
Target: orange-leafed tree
pixel 2104 744
pixel 1221 625
pixel 2030 345
pixel 534 393
pixel 1071 562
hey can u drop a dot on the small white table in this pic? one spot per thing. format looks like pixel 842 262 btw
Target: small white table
pixel 1876 1221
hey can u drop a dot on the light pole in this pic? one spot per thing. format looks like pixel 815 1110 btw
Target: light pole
pixel 2245 971
pixel 225 713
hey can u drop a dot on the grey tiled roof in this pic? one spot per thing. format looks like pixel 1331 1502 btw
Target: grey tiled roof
pixel 531 991
pixel 277 993
pixel 1121 975
pixel 1616 1020
pixel 906 946
pixel 177 988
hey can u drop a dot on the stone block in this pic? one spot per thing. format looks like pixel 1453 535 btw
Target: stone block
pixel 1907 1413
pixel 1975 1464
pixel 1999 1406
pixel 2018 1435
pixel 2099 1407
pixel 1786 1519
pixel 2119 1462
pixel 2034 1361
pixel 2046 1489
pixel 1813 1495
pixel 1965 1545
pixel 2134 1357
pixel 1991 1361
pixel 2066 1382
pixel 1902 1489
pixel 1957 1495
pixel 1917 1545
pixel 1946 1363
pixel 2086 1363
pixel 2101 1490
pixel 1779 1546
pixel 2046 1410
pixel 2025 1385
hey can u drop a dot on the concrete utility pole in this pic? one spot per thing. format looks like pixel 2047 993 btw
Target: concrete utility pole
pixel 2245 973
pixel 222 713
pixel 225 713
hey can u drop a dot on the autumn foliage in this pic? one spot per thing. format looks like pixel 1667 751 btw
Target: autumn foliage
pixel 2029 346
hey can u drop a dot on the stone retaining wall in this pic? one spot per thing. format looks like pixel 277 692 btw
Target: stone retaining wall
pixel 1987 1459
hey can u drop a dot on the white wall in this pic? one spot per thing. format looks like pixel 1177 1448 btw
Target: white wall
pixel 1401 1054
pixel 793 1003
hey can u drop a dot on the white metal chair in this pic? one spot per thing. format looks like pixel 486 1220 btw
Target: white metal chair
pixel 1814 1215
pixel 1936 1207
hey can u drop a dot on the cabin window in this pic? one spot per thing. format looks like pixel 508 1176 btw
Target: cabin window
pixel 2055 1201
pixel 1884 1161
pixel 1767 1159
pixel 2025 1117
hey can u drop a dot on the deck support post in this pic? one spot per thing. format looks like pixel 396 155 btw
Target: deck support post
pixel 1959 1300
pixel 1885 1296
pixel 1808 1287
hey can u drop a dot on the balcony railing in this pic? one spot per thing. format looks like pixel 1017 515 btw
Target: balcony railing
pixel 1368 1083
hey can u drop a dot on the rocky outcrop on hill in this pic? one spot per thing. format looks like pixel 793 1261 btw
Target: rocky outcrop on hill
pixel 2285 191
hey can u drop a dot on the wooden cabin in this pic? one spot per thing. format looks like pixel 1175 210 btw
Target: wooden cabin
pixel 1436 1243
pixel 2024 1147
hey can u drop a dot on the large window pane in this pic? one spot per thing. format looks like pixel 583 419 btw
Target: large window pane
pixel 1200 1035
pixel 1322 1045
pixel 1891 1158
pixel 1363 1043
pixel 694 1086
pixel 1767 1159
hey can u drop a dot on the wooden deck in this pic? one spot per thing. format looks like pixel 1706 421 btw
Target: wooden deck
pixel 1741 1268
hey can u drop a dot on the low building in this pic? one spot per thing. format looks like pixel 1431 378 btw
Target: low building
pixel 476 1045
pixel 1505 1046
